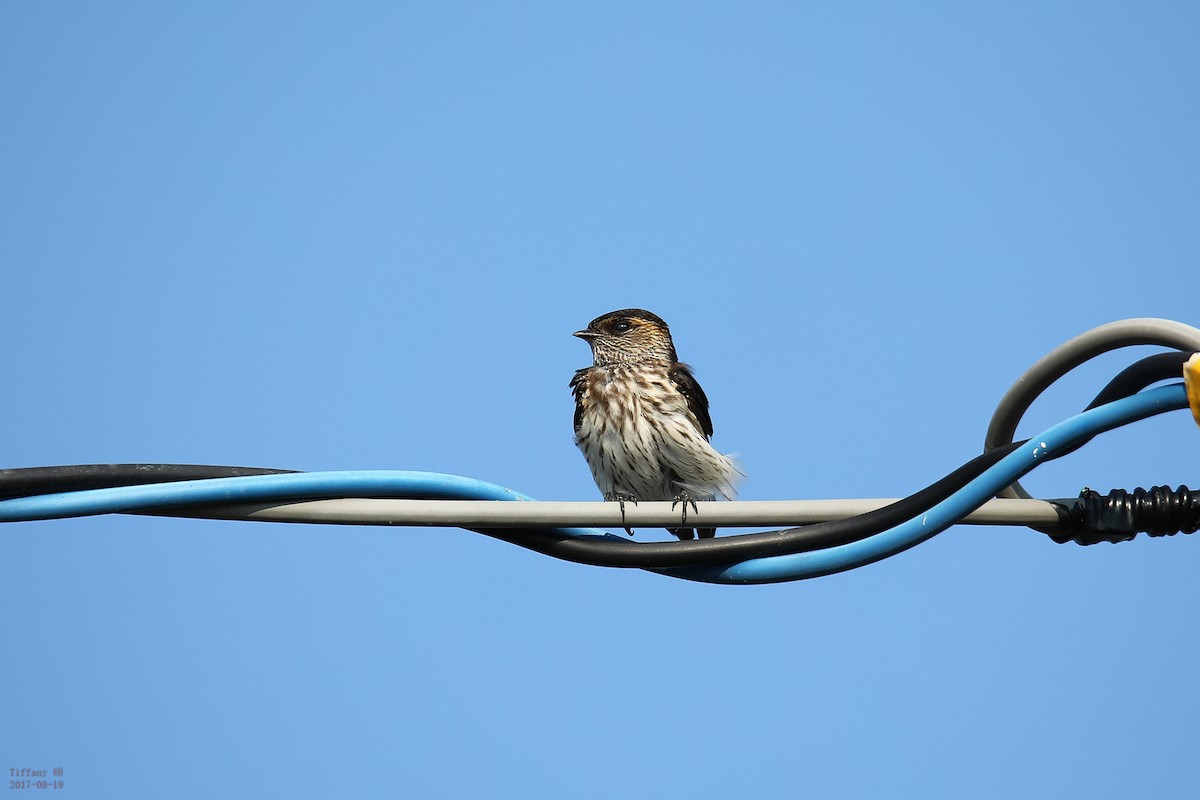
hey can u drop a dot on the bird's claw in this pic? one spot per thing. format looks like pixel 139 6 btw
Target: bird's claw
pixel 683 498
pixel 621 498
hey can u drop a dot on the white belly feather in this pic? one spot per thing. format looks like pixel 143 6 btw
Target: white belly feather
pixel 641 441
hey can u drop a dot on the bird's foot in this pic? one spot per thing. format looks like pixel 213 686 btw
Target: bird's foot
pixel 683 498
pixel 621 499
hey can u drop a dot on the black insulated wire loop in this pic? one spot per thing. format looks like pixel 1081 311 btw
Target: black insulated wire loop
pixel 1079 521
pixel 1140 374
pixel 725 549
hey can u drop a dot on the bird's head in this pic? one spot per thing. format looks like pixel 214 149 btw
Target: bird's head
pixel 628 335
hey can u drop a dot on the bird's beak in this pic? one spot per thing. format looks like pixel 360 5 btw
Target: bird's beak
pixel 587 335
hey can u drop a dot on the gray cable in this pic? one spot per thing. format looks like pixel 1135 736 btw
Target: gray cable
pixel 1068 356
pixel 499 514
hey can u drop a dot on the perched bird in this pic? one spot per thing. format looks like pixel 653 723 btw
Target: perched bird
pixel 642 421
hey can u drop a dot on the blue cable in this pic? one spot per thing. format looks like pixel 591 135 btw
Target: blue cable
pixel 264 488
pixel 1037 450
pixel 394 483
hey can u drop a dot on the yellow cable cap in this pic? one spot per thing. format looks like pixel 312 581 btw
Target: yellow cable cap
pixel 1191 379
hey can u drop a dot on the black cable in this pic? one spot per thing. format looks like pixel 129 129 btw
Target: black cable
pixel 1140 374
pixel 732 549
pixel 29 481
pixel 600 552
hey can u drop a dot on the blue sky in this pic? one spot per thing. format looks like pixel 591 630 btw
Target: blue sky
pixel 358 236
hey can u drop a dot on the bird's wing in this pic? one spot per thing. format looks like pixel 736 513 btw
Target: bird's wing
pixel 681 375
pixel 578 384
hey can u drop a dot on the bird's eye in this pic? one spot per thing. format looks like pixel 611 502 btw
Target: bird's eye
pixel 622 325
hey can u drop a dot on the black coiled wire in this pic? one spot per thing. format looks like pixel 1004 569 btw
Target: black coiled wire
pixel 1120 515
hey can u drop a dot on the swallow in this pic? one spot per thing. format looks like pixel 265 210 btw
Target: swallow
pixel 642 420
